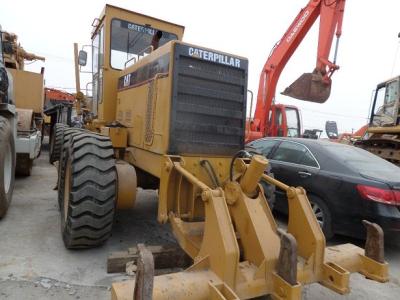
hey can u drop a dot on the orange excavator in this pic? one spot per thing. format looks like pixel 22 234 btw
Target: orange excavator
pixel 272 119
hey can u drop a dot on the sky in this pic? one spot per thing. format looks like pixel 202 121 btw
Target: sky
pixel 368 51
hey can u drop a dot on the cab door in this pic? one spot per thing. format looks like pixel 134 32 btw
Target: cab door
pixel 277 127
pixel 285 121
pixel 291 121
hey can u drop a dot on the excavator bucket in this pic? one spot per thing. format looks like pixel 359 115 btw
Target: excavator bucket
pixel 311 87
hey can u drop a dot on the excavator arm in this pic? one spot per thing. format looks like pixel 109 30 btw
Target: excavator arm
pixel 315 86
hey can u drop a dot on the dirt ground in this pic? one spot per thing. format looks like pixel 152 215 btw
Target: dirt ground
pixel 35 265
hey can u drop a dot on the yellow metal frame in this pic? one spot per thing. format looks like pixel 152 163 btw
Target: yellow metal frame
pixel 118 135
pixel 236 248
pixel 387 130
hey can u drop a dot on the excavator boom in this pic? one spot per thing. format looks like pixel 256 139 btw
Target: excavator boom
pixel 315 86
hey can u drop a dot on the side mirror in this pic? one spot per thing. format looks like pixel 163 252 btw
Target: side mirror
pixel 82 58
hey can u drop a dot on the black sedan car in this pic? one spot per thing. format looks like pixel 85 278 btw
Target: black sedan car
pixel 344 184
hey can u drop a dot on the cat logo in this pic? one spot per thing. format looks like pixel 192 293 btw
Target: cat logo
pixel 214 57
pixel 127 80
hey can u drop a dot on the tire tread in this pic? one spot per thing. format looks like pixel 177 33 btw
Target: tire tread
pixel 91 208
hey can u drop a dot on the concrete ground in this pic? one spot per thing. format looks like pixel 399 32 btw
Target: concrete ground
pixel 35 265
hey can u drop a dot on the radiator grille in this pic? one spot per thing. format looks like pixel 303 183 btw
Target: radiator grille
pixel 208 107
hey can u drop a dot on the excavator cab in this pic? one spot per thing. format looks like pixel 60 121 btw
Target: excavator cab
pixel 313 87
pixel 285 121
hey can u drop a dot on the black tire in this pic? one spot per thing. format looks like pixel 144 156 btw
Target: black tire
pixel 65 139
pixel 7 165
pixel 24 165
pixel 61 134
pixel 323 214
pixel 87 189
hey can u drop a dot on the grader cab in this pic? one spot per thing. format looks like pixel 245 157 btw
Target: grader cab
pixel 171 116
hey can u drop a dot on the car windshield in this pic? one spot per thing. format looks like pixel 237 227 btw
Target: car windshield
pixel 364 162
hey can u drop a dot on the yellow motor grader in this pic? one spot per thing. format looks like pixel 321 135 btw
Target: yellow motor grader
pixel 169 115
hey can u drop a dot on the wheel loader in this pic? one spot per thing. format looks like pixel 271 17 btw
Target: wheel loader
pixel 169 115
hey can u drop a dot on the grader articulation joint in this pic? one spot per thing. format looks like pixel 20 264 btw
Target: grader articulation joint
pixel 176 116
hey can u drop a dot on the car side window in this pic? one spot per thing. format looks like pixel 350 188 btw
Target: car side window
pixel 309 160
pixel 294 153
pixel 263 146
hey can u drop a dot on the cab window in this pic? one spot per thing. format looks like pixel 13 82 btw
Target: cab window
pixel 386 108
pixel 392 92
pixel 293 122
pixel 129 41
pixel 294 153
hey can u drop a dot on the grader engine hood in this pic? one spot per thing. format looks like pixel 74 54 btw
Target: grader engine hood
pixel 206 100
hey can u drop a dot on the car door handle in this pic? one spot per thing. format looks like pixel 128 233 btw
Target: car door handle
pixel 304 174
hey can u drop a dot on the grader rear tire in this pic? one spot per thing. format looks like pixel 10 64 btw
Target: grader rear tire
pixel 55 143
pixel 61 134
pixel 88 188
pixel 7 165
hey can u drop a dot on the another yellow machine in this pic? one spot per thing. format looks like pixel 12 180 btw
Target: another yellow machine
pixel 28 95
pixel 383 132
pixel 171 116
pixel 8 133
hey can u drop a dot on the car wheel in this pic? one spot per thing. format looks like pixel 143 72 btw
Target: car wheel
pixel 322 214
